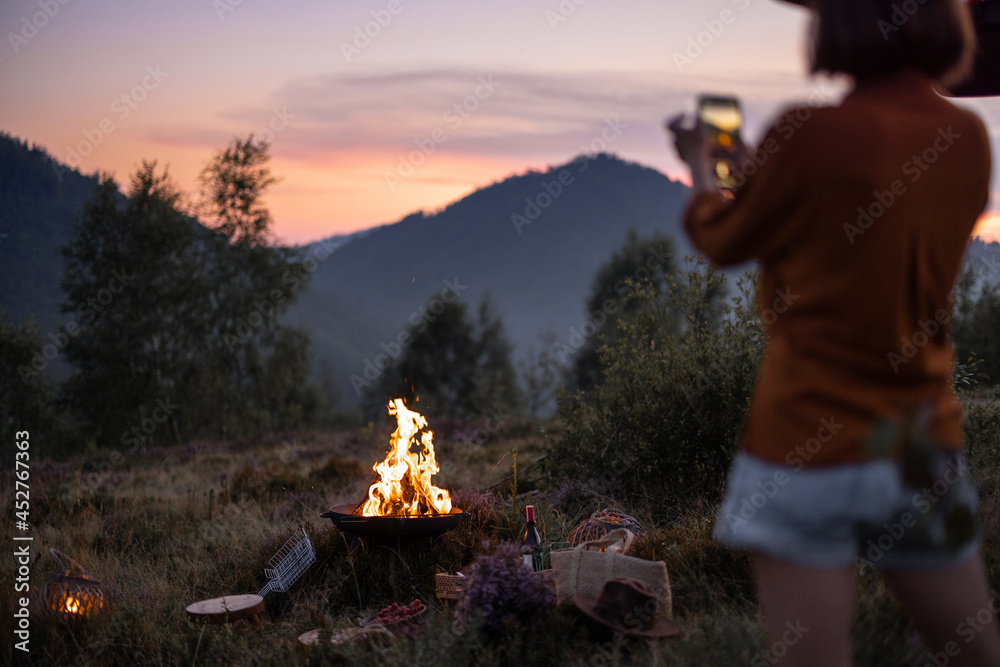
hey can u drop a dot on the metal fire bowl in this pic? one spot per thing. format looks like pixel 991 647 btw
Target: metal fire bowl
pixel 392 527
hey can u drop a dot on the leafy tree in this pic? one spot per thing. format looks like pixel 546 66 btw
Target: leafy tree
pixel 974 329
pixel 178 330
pixel 542 374
pixel 639 262
pixel 454 365
pixel 25 394
pixel 129 270
pixel 663 422
pixel 232 185
pixel 494 379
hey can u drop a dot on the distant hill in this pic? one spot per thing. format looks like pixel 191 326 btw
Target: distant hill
pixel 532 241
pixel 39 202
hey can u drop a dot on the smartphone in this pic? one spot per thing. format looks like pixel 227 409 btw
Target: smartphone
pixel 721 121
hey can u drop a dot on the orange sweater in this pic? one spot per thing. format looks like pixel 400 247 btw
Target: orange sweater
pixel 859 215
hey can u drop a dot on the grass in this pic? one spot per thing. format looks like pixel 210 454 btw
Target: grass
pixel 164 528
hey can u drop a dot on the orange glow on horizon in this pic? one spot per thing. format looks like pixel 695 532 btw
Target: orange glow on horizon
pixel 988 227
pixel 362 189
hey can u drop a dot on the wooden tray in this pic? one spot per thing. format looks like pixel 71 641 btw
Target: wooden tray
pixel 227 609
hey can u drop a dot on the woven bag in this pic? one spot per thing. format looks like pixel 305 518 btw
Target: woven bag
pixel 584 569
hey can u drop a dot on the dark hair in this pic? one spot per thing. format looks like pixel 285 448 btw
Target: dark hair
pixel 869 39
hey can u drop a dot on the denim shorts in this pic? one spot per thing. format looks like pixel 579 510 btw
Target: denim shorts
pixel 867 512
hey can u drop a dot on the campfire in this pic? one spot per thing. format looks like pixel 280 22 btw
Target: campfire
pixel 402 503
pixel 404 486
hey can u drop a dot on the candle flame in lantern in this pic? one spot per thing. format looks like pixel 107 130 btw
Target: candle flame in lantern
pixel 404 486
pixel 71 605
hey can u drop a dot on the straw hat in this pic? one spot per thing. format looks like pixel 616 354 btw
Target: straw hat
pixel 628 606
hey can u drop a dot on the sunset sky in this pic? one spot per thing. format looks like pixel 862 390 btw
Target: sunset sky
pixel 379 108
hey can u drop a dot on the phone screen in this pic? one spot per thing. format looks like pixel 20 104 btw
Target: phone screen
pixel 721 120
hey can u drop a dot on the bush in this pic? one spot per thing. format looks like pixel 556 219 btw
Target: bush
pixel 665 420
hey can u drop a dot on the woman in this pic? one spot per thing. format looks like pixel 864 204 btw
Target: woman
pixel 859 215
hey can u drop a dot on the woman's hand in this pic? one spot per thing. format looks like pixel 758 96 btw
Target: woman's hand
pixel 691 147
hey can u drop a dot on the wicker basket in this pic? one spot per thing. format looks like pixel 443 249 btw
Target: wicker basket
pixel 69 598
pixel 449 586
pixel 601 523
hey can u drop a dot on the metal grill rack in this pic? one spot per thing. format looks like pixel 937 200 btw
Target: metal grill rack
pixel 289 563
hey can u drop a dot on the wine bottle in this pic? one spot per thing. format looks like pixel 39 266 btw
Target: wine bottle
pixel 531 539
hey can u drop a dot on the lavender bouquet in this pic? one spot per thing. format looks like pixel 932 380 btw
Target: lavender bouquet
pixel 502 590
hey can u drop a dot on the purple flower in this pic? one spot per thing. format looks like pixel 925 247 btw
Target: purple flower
pixel 502 589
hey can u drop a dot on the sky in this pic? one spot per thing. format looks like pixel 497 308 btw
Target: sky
pixel 379 108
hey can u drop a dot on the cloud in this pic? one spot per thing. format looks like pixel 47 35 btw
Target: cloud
pixel 468 112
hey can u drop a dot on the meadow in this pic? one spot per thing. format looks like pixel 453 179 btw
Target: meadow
pixel 162 528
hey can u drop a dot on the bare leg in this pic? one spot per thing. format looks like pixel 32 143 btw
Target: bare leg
pixel 807 613
pixel 954 612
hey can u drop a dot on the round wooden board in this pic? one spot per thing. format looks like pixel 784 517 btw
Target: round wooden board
pixel 227 609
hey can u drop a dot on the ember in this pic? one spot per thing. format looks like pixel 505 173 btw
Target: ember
pixel 404 487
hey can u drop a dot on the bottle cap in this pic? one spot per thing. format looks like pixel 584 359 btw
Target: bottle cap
pixel 530 510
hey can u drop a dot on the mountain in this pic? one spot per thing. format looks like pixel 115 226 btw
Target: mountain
pixel 533 242
pixel 41 201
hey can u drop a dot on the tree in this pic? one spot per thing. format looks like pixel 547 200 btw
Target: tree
pixel 975 327
pixel 129 273
pixel 542 374
pixel 25 395
pixel 232 185
pixel 639 262
pixel 664 420
pixel 455 366
pixel 178 327
pixel 495 380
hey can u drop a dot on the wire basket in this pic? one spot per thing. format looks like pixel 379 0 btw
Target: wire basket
pixel 289 563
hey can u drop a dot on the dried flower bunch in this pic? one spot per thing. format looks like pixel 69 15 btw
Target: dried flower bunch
pixel 501 590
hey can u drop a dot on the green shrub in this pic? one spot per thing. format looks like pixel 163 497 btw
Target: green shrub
pixel 665 420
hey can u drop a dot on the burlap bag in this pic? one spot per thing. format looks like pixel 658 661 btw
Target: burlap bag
pixel 584 569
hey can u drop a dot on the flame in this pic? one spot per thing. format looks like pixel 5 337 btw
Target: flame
pixel 71 605
pixel 404 487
